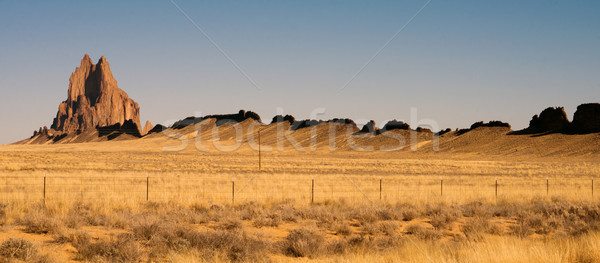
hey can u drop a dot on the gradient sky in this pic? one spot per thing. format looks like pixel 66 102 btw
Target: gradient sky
pixel 458 62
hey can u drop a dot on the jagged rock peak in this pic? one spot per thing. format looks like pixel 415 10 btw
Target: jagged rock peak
pixel 94 100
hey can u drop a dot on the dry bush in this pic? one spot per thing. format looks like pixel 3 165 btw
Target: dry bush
pixel 3 214
pixel 83 214
pixel 410 213
pixel 337 247
pixel 342 229
pixel 270 220
pixel 521 229
pixel 235 246
pixel 369 227
pixel 39 221
pixel 477 209
pixel 388 228
pixel 304 242
pixel 474 228
pixel 422 232
pixel 250 210
pixel 537 223
pixel 17 248
pixel 122 249
pixel 441 217
pixel 231 224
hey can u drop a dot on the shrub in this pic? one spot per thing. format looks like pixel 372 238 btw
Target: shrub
pixel 409 213
pixel 304 242
pixel 342 229
pixel 121 249
pixel 422 232
pixel 17 248
pixel 236 246
pixel 39 222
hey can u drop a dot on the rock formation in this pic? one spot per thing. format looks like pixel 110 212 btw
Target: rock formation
pixel 128 127
pixel 551 119
pixel 395 125
pixel 280 118
pixel 369 127
pixel 147 128
pixel 94 100
pixel 587 118
pixel 157 129
pixel 242 115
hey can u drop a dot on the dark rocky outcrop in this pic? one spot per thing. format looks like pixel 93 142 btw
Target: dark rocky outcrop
pixel 280 118
pixel 369 127
pixel 483 124
pixel 550 119
pixel 94 100
pixel 395 125
pixel 242 115
pixel 442 132
pixel 128 127
pixel 157 129
pixel 310 123
pixel 586 119
pixel 489 124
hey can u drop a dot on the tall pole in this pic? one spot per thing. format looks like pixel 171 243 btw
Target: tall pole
pixel 147 186
pixel 44 188
pixel 592 186
pixel 312 191
pixel 442 186
pixel 496 188
pixel 547 186
pixel 232 189
pixel 259 153
pixel 380 188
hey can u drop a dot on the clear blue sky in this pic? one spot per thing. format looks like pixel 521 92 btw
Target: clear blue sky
pixel 458 62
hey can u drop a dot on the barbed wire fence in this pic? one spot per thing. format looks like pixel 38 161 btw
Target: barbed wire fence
pixel 302 188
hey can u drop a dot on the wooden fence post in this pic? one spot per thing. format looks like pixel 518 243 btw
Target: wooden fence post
pixel 442 186
pixel 233 189
pixel 312 191
pixel 496 194
pixel 547 186
pixel 44 188
pixel 380 188
pixel 147 186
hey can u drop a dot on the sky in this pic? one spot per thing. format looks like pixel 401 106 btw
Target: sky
pixel 456 62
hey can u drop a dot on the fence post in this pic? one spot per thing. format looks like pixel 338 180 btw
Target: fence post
pixel 233 189
pixel 312 191
pixel 147 186
pixel 592 186
pixel 380 188
pixel 547 186
pixel 44 188
pixel 442 186
pixel 496 188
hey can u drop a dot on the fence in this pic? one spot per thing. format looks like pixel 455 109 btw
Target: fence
pixel 301 188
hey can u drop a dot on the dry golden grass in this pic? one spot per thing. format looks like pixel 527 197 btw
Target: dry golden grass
pixel 96 208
